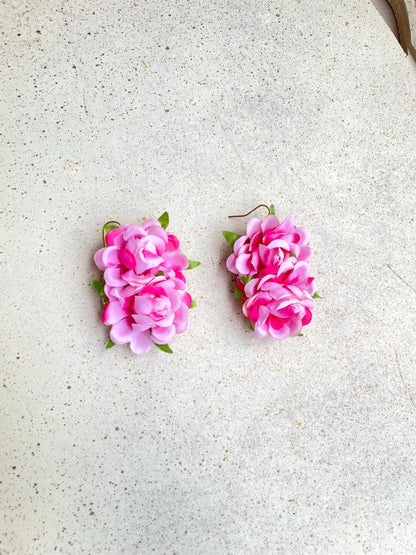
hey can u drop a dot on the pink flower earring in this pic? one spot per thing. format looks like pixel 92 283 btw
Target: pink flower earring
pixel 271 263
pixel 143 287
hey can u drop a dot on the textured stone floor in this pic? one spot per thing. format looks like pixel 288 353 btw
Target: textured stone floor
pixel 232 444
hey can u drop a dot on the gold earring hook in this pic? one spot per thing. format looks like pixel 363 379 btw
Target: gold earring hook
pixel 104 226
pixel 244 215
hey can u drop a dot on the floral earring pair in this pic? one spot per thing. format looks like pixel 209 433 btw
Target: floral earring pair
pixel 143 287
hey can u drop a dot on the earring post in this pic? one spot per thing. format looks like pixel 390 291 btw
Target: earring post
pixel 251 211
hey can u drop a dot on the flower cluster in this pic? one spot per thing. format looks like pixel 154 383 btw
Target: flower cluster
pixel 144 286
pixel 273 283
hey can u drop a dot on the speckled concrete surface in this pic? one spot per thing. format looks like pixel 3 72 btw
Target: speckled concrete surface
pixel 232 444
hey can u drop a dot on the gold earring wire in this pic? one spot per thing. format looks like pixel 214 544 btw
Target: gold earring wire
pixel 244 215
pixel 104 226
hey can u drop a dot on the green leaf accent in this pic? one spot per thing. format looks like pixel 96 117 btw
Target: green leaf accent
pixel 316 296
pixel 164 348
pixel 230 237
pixel 245 279
pixel 164 222
pixel 272 210
pixel 98 286
pixel 238 294
pixel 193 304
pixel 109 344
pixel 293 254
pixel 160 273
pixel 250 325
pixel 300 334
pixel 193 264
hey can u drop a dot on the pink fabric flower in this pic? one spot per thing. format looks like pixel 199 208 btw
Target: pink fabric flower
pixel 279 301
pixel 155 315
pixel 144 285
pixel 273 283
pixel 134 255
pixel 268 243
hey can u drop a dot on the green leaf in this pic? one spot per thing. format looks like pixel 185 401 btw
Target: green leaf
pixel 230 237
pixel 98 286
pixel 193 304
pixel 164 348
pixel 300 334
pixel 245 279
pixel 293 254
pixel 193 264
pixel 250 325
pixel 316 296
pixel 164 222
pixel 160 273
pixel 109 344
pixel 272 210
pixel 238 294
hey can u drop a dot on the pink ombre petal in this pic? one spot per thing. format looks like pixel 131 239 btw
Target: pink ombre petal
pixel 174 298
pixel 308 317
pixel 115 236
pixel 150 223
pixel 263 315
pixel 278 244
pixel 173 243
pixel 112 276
pixel 181 319
pixel 121 332
pixel 166 321
pixel 265 255
pixel 253 226
pixel 231 263
pixel 158 231
pixel 286 226
pixel 163 335
pixel 303 235
pixel 243 264
pixel 255 261
pixel 150 259
pixel 278 328
pixel 299 275
pixel 142 305
pixel 135 231
pixel 127 258
pixel 187 299
pixel 290 311
pixel 261 330
pixel 140 342
pixel 175 260
pixel 111 292
pixel 240 243
pixel 295 327
pixel 305 254
pixel 110 257
pixel 113 313
pixel 143 322
pixel 98 259
pixel 270 222
pixel 255 241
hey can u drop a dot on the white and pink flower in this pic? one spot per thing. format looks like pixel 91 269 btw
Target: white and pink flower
pixel 144 285
pixel 279 301
pixel 273 282
pixel 267 243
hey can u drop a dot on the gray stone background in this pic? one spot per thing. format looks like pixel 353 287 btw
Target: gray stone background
pixel 231 444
